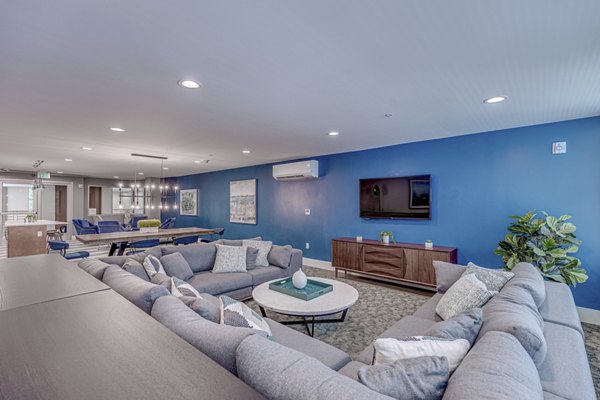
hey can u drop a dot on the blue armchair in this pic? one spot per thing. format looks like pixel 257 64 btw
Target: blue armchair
pixel 135 219
pixel 169 223
pixel 84 227
pixel 109 227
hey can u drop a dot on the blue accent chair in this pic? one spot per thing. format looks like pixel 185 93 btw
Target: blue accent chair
pixel 84 227
pixel 61 246
pixel 169 223
pixel 140 245
pixel 109 227
pixel 135 219
pixel 185 240
pixel 218 231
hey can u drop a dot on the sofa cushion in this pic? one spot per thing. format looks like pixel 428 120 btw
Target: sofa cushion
pixel 139 292
pixel 498 368
pixel 407 326
pixel 136 268
pixel 494 279
pixel 559 306
pixel 237 314
pixel 513 311
pixel 529 277
pixel 95 268
pixel 207 306
pixel 280 256
pixel 152 251
pixel 280 373
pixel 230 259
pixel 566 372
pixel 327 354
pixel 176 265
pixel 264 274
pixel 215 284
pixel 219 342
pixel 462 326
pixel 200 257
pixel 163 280
pixel 351 369
pixel 234 242
pixel 263 250
pixel 418 378
pixel 467 293
pixel 427 310
pixel 446 274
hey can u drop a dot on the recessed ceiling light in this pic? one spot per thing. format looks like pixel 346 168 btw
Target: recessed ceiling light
pixel 188 84
pixel 495 99
pixel 59 172
pixel 68 160
pixel 116 177
pixel 117 129
pixel 140 173
pixel 86 148
pixel 166 168
pixel 198 161
pixel 333 133
pixel 246 151
pixel 387 115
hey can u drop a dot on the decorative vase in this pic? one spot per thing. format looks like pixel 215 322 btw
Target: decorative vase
pixel 299 279
pixel 385 239
pixel 429 245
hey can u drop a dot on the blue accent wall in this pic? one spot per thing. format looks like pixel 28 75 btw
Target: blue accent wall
pixel 477 182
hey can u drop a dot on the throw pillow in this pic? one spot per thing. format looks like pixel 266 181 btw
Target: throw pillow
pixel 263 251
pixel 230 259
pixel 153 266
pixel 465 325
pixel 162 280
pixel 251 255
pixel 134 267
pixel 446 274
pixel 419 378
pixel 494 279
pixel 280 256
pixel 236 313
pixel 181 288
pixel 176 265
pixel 467 293
pixel 206 306
pixel 388 350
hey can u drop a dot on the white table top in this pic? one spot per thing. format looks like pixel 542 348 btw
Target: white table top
pixel 39 222
pixel 342 297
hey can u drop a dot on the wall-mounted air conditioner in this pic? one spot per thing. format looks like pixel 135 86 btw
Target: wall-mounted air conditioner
pixel 296 171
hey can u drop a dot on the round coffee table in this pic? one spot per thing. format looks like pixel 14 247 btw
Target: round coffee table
pixel 342 297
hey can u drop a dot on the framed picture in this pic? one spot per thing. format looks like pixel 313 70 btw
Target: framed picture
pixel 242 201
pixel 419 194
pixel 188 202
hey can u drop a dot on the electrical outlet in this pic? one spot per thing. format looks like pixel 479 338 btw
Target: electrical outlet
pixel 307 211
pixel 559 147
pixel 307 245
pixel 39 234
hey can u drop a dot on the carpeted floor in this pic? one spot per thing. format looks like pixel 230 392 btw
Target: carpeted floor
pixel 380 306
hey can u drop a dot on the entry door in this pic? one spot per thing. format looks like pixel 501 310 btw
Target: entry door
pixel 95 200
pixel 60 202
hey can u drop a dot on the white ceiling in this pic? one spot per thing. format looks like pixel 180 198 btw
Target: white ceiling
pixel 278 75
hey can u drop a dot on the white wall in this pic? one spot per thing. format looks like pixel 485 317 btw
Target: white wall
pixel 48 203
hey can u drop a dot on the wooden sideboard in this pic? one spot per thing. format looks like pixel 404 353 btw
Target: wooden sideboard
pixel 402 262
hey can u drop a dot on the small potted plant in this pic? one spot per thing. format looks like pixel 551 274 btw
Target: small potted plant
pixel 149 225
pixel 428 244
pixel 386 237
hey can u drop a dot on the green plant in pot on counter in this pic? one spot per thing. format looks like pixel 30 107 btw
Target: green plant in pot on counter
pixel 386 237
pixel 548 243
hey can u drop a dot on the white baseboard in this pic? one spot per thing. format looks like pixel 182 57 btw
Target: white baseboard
pixel 312 262
pixel 589 315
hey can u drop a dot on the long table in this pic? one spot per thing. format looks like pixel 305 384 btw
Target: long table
pixel 121 239
pixel 79 339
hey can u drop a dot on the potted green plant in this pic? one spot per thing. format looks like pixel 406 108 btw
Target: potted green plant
pixel 428 244
pixel 386 237
pixel 149 225
pixel 548 243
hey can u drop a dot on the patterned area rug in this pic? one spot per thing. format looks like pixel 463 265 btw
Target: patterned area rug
pixel 379 307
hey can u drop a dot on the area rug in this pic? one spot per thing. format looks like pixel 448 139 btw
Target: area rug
pixel 379 307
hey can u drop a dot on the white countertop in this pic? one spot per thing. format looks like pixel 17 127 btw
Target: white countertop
pixel 39 222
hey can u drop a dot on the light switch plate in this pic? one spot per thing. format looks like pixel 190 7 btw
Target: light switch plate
pixel 307 211
pixel 559 147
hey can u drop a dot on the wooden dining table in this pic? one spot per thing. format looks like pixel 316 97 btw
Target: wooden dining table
pixel 120 240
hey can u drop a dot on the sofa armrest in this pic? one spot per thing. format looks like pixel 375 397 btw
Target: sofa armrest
pixel 295 261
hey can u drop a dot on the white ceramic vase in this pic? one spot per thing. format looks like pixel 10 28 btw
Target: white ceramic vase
pixel 299 279
pixel 385 239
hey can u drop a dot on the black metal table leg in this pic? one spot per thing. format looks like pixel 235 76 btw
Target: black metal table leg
pixel 113 248
pixel 262 311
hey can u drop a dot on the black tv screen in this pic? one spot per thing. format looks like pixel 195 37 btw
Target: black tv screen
pixel 396 198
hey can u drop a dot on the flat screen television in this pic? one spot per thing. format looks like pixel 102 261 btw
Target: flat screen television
pixel 406 197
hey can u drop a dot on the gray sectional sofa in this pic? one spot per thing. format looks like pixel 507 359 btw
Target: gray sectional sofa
pixel 516 355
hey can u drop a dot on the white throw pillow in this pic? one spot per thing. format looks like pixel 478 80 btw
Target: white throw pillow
pixel 181 288
pixel 466 294
pixel 388 350
pixel 263 251
pixel 236 313
pixel 230 259
pixel 152 265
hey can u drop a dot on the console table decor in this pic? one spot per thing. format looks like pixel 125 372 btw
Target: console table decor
pixel 402 262
pixel 313 288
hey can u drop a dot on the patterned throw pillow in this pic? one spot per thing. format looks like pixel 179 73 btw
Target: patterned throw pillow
pixel 153 266
pixel 236 313
pixel 182 288
pixel 389 350
pixel 230 259
pixel 466 294
pixel 494 279
pixel 263 251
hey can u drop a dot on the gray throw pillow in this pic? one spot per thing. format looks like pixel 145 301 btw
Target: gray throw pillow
pixel 494 279
pixel 251 255
pixel 446 274
pixel 200 257
pixel 280 256
pixel 230 259
pixel 263 250
pixel 465 325
pixel 419 378
pixel 134 267
pixel 176 265
pixel 162 280
pixel 207 306
pixel 467 293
